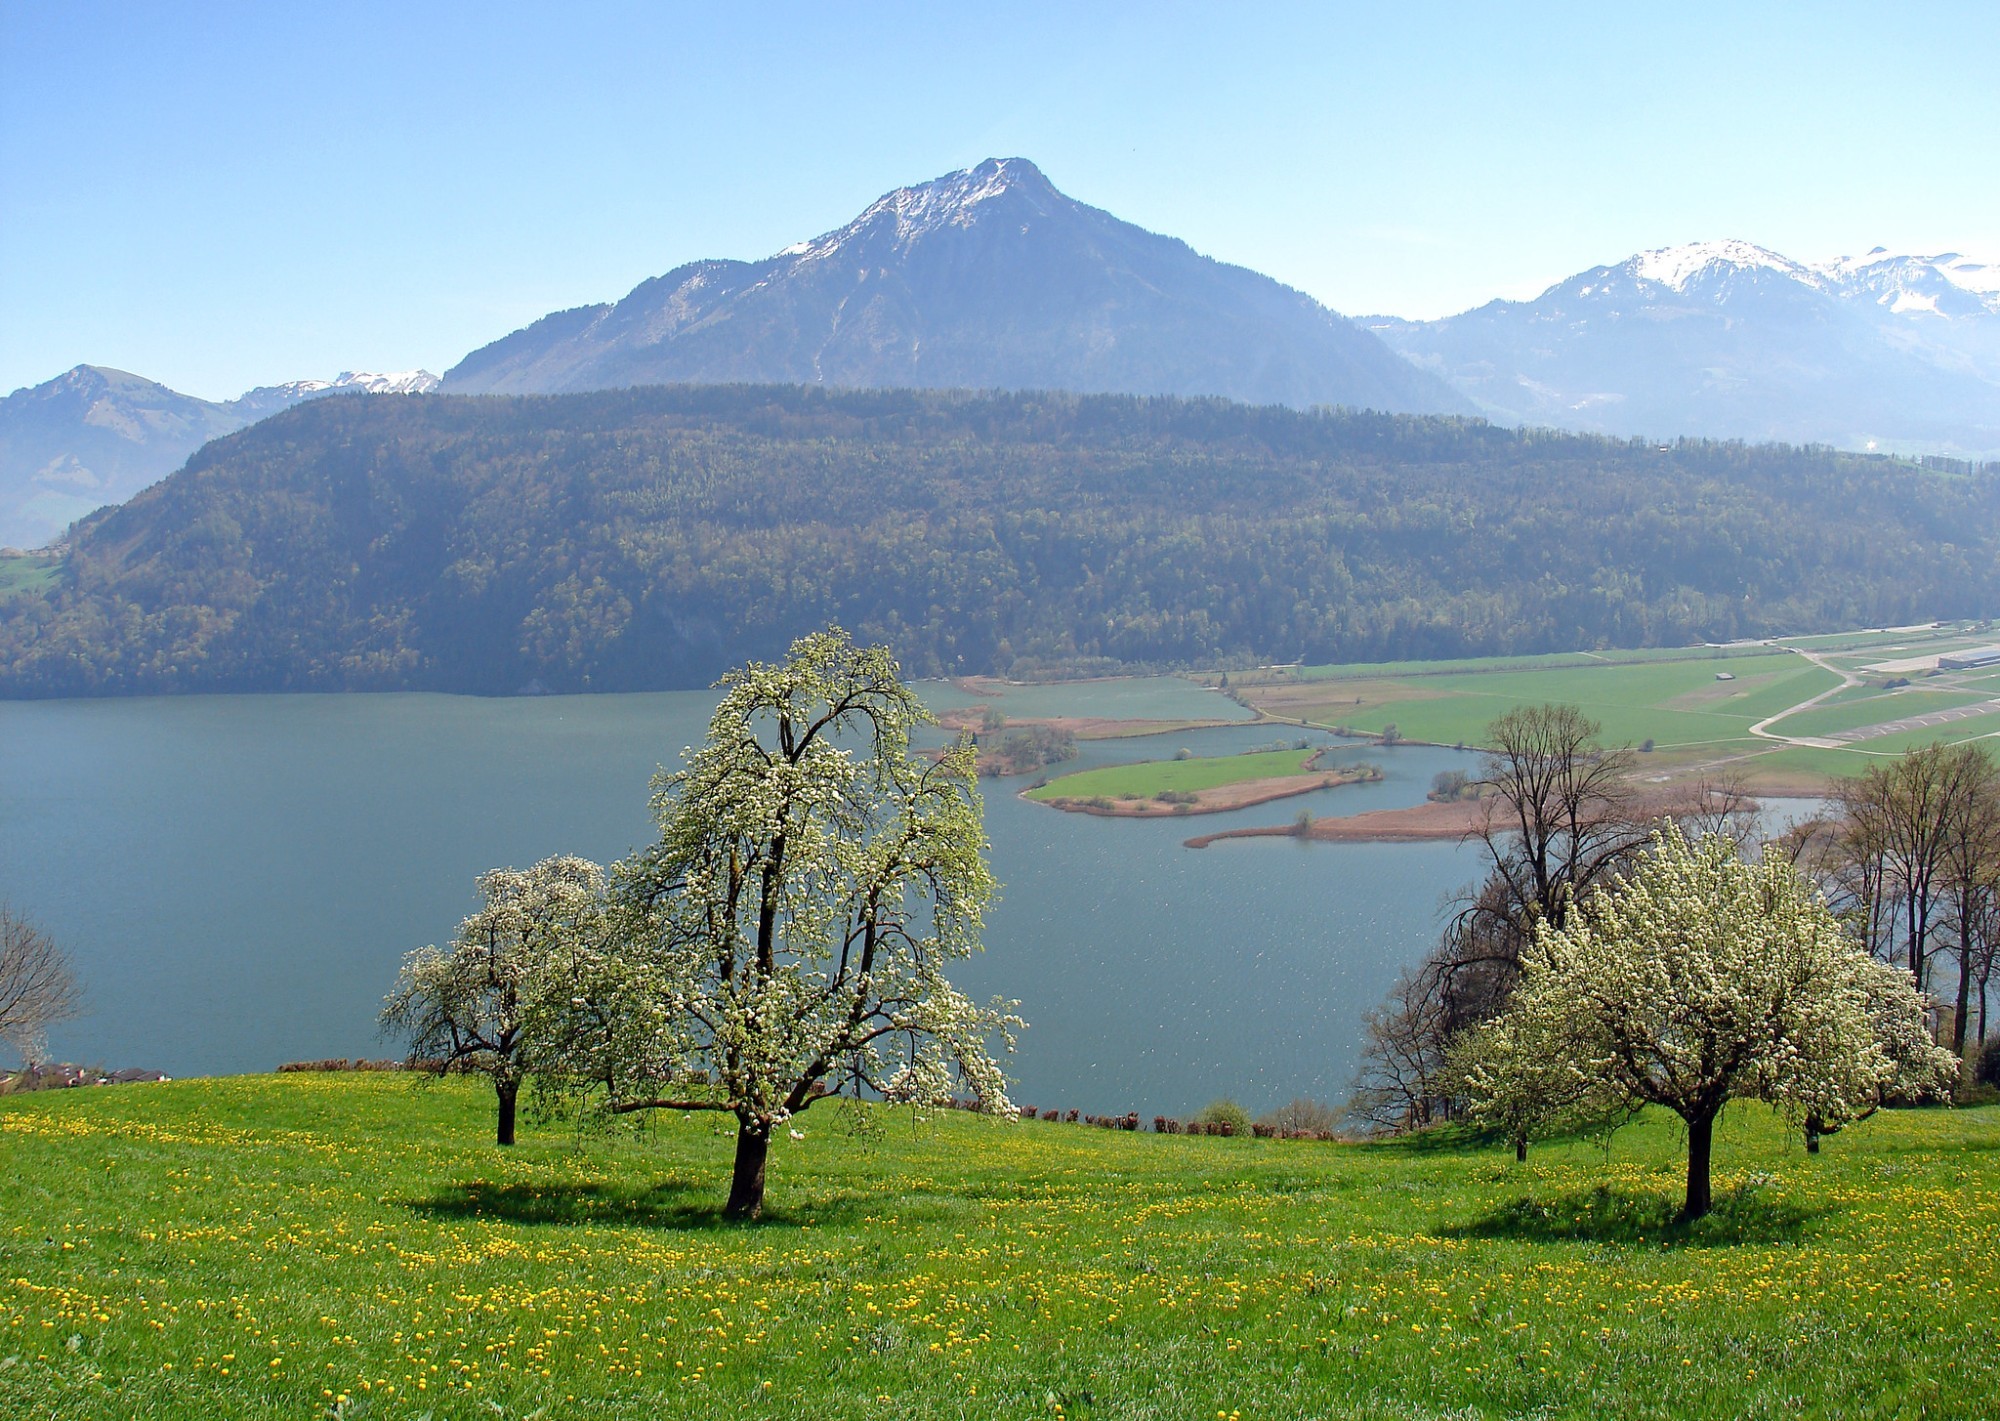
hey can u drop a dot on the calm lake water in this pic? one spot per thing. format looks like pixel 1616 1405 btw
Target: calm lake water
pixel 237 878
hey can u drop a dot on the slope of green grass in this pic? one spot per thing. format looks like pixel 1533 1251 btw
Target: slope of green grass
pixel 292 1247
pixel 1150 777
pixel 27 572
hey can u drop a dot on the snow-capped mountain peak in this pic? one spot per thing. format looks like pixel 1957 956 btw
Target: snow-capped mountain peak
pixel 1676 267
pixel 396 382
pixel 1940 284
pixel 911 213
pixel 1727 339
pixel 393 382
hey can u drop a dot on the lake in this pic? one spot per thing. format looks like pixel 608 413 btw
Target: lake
pixel 237 878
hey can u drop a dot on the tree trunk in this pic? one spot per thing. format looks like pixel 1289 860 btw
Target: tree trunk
pixel 746 1184
pixel 1520 1149
pixel 1964 987
pixel 507 1091
pixel 1813 1132
pixel 1701 1137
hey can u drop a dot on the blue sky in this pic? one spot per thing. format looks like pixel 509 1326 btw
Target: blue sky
pixel 224 195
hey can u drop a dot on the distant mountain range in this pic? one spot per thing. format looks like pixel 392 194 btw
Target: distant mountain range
pixel 983 279
pixel 1730 340
pixel 96 436
pixel 992 279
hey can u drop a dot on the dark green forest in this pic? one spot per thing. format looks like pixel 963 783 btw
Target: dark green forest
pixel 650 538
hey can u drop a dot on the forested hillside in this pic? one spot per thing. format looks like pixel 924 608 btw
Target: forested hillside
pixel 652 537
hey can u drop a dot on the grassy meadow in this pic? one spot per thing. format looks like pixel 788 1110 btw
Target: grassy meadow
pixel 294 1246
pixel 27 572
pixel 1672 697
pixel 1147 778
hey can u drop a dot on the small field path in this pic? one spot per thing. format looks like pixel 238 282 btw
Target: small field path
pixel 1762 729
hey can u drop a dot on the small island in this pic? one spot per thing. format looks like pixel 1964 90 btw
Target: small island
pixel 1191 784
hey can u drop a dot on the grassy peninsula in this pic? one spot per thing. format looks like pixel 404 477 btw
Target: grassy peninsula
pixel 344 1245
pixel 1199 784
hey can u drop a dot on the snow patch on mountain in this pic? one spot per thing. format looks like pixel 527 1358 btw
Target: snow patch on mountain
pixel 395 382
pixel 1727 339
pixel 1945 284
pixel 1918 287
pixel 1676 267
pixel 912 213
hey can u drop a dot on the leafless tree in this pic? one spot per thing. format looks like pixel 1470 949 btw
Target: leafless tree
pixel 1401 1085
pixel 1561 819
pixel 1899 825
pixel 1911 860
pixel 1983 910
pixel 1972 873
pixel 1558 809
pixel 37 986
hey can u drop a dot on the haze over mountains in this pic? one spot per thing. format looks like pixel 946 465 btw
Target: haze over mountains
pixel 991 278
pixel 95 436
pixel 1730 340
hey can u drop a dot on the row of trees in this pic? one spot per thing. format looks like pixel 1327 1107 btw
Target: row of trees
pixel 783 940
pixel 1624 950
pixel 1911 855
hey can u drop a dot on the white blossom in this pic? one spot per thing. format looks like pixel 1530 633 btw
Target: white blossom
pixel 475 1007
pixel 1697 980
pixel 787 935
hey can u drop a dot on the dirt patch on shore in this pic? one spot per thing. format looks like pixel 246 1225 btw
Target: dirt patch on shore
pixel 1418 823
pixel 1241 795
pixel 1083 727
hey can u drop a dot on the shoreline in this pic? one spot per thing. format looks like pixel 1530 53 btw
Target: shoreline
pixel 1085 727
pixel 1420 823
pixel 1244 794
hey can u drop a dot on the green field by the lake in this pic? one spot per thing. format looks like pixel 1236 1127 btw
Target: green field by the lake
pixel 311 1246
pixel 1725 709
pixel 1198 772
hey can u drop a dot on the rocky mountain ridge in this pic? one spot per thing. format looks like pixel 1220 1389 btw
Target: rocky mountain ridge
pixel 987 278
